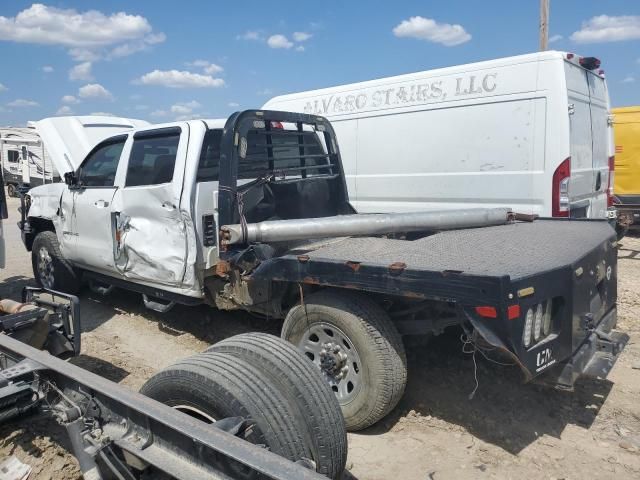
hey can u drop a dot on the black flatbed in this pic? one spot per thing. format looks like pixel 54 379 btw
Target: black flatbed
pixel 518 250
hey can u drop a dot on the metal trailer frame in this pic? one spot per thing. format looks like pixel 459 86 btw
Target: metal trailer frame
pixel 102 417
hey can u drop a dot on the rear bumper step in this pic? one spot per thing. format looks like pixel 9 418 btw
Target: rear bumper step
pixel 595 358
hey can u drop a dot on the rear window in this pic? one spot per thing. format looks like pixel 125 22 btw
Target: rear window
pixel 284 152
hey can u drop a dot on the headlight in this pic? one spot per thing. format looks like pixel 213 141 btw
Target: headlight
pixel 528 324
pixel 537 326
pixel 546 324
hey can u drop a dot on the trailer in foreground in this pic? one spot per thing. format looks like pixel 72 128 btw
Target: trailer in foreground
pixel 118 433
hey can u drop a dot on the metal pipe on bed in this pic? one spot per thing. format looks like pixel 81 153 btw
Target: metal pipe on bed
pixel 363 224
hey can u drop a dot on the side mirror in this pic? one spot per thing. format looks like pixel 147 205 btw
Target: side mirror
pixel 70 179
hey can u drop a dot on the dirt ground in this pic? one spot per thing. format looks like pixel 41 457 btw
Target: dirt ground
pixel 508 430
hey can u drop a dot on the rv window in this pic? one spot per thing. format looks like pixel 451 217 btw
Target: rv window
pixel 152 160
pixel 99 168
pixel 13 156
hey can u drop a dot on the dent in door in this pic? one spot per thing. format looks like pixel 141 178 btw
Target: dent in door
pixel 149 246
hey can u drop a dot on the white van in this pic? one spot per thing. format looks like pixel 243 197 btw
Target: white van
pixel 531 132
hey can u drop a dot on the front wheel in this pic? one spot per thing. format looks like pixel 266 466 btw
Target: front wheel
pixel 11 190
pixel 352 340
pixel 50 268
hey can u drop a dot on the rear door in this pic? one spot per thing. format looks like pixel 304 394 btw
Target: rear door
pixel 581 189
pixel 150 230
pixel 601 141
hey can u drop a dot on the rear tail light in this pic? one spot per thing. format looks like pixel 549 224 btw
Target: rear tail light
pixel 612 174
pixel 570 56
pixel 560 189
pixel 537 323
pixel 528 326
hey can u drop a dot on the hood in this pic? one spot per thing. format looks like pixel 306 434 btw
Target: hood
pixel 69 139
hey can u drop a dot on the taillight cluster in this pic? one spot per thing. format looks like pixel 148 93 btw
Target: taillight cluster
pixel 537 323
pixel 560 189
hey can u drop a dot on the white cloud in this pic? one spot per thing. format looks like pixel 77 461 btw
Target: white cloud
pixel 555 38
pixel 300 48
pixel 135 96
pixel 629 79
pixel 85 33
pixel 102 114
pixel 47 69
pixel 185 108
pixel 95 90
pixel 301 36
pixel 159 113
pixel 21 102
pixel 82 71
pixel 179 79
pixel 141 107
pixel 208 67
pixel 70 99
pixel 604 28
pixel 65 110
pixel 279 41
pixel 250 35
pixel 432 31
pixel 233 104
pixel 3 88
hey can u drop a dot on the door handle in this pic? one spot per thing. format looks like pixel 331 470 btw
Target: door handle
pixel 101 204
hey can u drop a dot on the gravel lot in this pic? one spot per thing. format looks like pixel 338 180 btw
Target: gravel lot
pixel 508 430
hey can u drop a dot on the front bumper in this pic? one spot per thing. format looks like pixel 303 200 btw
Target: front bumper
pixel 595 357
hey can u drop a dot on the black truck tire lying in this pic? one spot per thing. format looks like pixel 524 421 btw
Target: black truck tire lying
pixel 301 382
pixel 64 278
pixel 376 340
pixel 221 385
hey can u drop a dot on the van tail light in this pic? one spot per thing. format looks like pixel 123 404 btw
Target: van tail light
pixel 560 189
pixel 612 174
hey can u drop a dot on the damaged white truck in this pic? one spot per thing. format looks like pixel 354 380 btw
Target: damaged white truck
pixel 253 213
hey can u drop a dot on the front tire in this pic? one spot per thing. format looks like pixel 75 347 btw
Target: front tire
pixel 357 347
pixel 11 190
pixel 50 268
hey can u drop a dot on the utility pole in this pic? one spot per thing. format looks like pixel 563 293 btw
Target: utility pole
pixel 544 25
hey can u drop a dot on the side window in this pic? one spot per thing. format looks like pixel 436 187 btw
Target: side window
pixel 13 156
pixel 152 160
pixel 99 168
pixel 209 165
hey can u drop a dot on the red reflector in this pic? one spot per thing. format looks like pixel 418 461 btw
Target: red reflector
pixel 513 312
pixel 487 312
pixel 570 56
pixel 612 169
pixel 277 125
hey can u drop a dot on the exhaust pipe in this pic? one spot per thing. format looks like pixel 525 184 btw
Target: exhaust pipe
pixel 362 224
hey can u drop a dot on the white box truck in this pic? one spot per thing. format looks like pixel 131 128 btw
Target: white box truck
pixel 532 132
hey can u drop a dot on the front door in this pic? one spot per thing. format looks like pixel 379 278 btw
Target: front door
pixel 89 236
pixel 153 236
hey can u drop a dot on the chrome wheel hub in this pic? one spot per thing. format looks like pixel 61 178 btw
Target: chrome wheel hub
pixel 336 356
pixel 45 268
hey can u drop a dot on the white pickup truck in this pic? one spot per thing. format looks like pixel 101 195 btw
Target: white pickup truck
pixel 253 213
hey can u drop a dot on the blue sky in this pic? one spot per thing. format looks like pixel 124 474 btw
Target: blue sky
pixel 160 60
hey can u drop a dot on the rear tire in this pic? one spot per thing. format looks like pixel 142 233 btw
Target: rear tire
pixel 302 383
pixel 357 347
pixel 219 385
pixel 50 268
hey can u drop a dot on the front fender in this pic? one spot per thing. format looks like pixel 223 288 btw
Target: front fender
pixel 45 200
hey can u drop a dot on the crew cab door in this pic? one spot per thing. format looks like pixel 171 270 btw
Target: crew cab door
pixel 151 233
pixel 86 208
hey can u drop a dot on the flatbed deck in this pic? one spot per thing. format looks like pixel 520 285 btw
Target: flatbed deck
pixel 517 250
